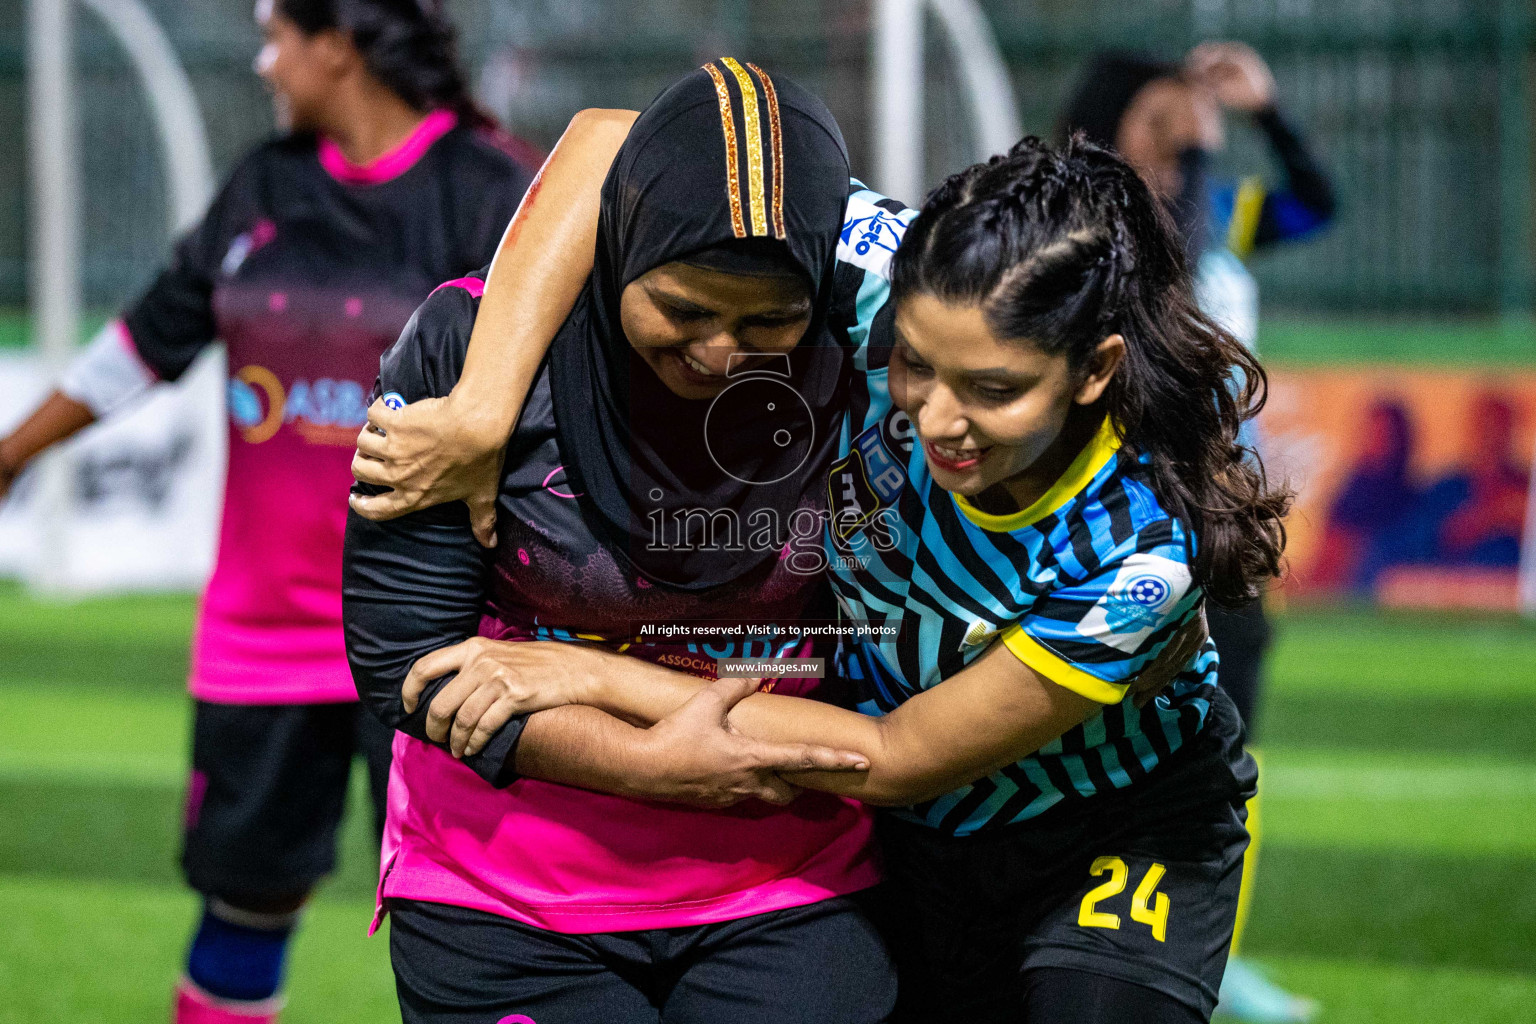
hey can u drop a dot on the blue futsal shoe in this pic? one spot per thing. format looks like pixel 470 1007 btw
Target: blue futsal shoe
pixel 1246 995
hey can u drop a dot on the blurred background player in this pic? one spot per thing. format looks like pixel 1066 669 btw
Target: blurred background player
pixel 1166 119
pixel 387 181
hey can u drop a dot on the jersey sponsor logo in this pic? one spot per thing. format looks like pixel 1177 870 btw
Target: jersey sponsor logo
pixel 256 401
pixel 323 411
pixel 870 236
pixel 1144 593
pixel 393 400
pixel 863 482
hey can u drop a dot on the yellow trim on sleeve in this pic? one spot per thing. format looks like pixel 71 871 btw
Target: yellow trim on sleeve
pixel 1246 207
pixel 1094 457
pixel 1059 671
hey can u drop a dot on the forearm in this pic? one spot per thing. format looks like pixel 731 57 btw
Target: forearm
pixel 539 271
pixel 584 747
pixel 58 418
pixel 692 756
pixel 924 748
pixel 899 763
pixel 916 756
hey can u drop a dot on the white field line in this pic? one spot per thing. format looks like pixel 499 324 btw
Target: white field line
pixel 1406 783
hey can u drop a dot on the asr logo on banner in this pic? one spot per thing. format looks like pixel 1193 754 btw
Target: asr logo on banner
pixel 323 411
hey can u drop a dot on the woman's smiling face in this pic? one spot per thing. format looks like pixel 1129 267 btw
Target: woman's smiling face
pixel 693 325
pixel 986 409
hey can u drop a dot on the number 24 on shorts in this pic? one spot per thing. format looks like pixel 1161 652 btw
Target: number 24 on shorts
pixel 1144 909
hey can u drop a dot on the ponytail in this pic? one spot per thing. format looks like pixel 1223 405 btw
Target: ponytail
pixel 1065 247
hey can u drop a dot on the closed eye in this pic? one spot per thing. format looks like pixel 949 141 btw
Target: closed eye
pixel 914 365
pixel 684 314
pixel 997 393
pixel 775 319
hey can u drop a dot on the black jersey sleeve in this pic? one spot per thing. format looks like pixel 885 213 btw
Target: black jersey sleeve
pixel 416 584
pixel 1307 201
pixel 173 320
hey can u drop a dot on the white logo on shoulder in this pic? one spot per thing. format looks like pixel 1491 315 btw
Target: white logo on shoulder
pixel 980 632
pixel 870 236
pixel 1145 591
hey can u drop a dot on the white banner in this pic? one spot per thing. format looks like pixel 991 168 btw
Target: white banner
pixel 146 487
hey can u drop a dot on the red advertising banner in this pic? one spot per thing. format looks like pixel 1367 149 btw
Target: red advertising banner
pixel 1413 485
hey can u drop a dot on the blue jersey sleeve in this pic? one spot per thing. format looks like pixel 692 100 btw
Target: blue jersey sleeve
pixel 1095 635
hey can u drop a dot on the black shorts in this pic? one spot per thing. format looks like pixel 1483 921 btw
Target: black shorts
pixel 1139 886
pixel 266 794
pixel 819 964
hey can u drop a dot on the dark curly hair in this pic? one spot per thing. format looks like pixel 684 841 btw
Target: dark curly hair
pixel 409 45
pixel 1067 246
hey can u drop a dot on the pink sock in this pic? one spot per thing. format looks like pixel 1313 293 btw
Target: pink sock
pixel 194 1006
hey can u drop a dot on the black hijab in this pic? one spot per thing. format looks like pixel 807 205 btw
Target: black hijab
pixel 731 167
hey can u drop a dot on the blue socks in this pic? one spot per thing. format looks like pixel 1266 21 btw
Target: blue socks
pixel 239 954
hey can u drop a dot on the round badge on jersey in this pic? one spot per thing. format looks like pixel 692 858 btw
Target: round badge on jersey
pixel 392 400
pixel 1150 591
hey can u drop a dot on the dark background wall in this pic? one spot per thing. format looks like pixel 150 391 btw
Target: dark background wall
pixel 1421 106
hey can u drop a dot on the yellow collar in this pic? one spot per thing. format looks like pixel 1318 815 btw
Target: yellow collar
pixel 1094 457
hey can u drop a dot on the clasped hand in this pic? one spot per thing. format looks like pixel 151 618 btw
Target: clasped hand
pixel 693 755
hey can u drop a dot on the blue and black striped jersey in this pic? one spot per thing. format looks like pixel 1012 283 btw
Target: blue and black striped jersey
pixel 1086 586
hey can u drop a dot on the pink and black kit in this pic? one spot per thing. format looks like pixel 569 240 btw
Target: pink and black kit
pixel 516 899
pixel 306 267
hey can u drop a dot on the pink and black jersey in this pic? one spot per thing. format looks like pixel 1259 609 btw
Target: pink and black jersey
pixel 308 267
pixel 603 451
pixel 559 858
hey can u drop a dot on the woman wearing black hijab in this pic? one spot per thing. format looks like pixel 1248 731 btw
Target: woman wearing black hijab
pixel 664 468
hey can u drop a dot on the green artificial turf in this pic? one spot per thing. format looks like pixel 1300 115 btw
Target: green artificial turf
pixel 1397 880
pixel 1292 341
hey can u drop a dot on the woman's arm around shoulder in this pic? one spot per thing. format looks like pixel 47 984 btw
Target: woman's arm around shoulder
pixel 449 447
